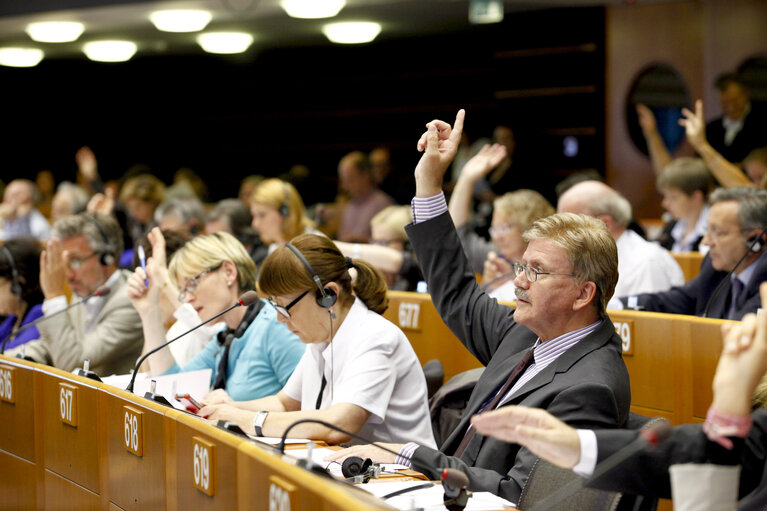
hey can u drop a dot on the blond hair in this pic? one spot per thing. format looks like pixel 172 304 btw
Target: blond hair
pixel 590 248
pixel 210 251
pixel 523 207
pixel 394 218
pixel 284 197
pixel 282 273
pixel 144 187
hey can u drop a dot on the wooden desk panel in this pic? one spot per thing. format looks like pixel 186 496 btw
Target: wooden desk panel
pixel 690 263
pixel 71 452
pixel 17 427
pixel 61 494
pixel 135 482
pixel 706 339
pixel 223 471
pixel 17 483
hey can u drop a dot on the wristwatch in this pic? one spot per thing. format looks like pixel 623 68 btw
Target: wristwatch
pixel 258 422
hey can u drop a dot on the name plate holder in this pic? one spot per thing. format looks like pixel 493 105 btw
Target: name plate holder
pixel 68 404
pixel 204 461
pixel 625 330
pixel 133 422
pixel 7 384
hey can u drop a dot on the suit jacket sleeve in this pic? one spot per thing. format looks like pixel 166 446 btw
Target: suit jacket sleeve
pixel 475 318
pixel 114 342
pixel 647 472
pixel 600 409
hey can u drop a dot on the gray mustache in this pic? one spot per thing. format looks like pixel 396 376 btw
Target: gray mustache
pixel 521 293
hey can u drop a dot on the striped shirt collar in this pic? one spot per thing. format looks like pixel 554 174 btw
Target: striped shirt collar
pixel 548 351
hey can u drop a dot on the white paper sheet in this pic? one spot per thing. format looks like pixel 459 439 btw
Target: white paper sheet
pixel 194 383
pixel 431 498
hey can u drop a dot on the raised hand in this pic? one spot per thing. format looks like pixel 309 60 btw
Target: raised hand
pixel 53 269
pixel 439 144
pixel 483 162
pixel 694 125
pixel 646 118
pixel 86 163
pixel 742 363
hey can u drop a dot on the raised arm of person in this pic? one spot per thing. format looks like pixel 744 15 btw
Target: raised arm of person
pixel 439 144
pixel 475 169
pixel 384 258
pixel 148 300
pixel 659 154
pixel 728 174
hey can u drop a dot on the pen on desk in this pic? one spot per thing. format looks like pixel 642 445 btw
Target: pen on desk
pixel 142 260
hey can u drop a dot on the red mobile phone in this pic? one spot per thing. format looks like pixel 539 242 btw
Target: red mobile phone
pixel 190 403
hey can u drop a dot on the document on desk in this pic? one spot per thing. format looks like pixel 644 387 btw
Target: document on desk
pixel 194 383
pixel 430 499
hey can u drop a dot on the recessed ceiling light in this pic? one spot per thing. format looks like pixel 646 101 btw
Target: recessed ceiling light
pixel 225 42
pixel 485 11
pixel 110 51
pixel 20 57
pixel 55 31
pixel 180 20
pixel 312 9
pixel 353 32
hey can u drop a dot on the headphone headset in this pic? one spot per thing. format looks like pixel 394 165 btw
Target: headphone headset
pixel 326 297
pixel 106 257
pixel 285 206
pixel 15 284
pixel 354 466
pixel 755 243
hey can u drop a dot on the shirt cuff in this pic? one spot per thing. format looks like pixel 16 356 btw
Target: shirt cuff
pixel 426 208
pixel 55 304
pixel 406 453
pixel 719 426
pixel 585 467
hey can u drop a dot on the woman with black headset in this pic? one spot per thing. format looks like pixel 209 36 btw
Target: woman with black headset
pixel 20 295
pixel 360 372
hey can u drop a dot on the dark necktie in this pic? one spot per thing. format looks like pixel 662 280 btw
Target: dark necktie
pixel 738 291
pixel 513 377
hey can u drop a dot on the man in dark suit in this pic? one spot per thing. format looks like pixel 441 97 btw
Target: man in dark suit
pixel 567 275
pixel 742 126
pixel 735 231
pixel 741 366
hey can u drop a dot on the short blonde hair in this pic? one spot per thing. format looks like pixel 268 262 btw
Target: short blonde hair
pixel 523 207
pixel 394 218
pixel 590 248
pixel 282 196
pixel 209 251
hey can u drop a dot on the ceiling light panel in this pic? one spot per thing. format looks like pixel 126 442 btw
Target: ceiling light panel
pixel 225 42
pixel 110 51
pixel 55 31
pixel 312 9
pixel 180 20
pixel 354 32
pixel 20 57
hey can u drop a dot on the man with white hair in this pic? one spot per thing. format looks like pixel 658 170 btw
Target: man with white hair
pixel 18 214
pixel 643 267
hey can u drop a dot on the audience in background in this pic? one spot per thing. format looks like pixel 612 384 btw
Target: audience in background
pixel 232 216
pixel 643 266
pixel 20 295
pixel 46 188
pixel 70 199
pixel 83 253
pixel 355 178
pixel 736 240
pixel 140 196
pixel 18 215
pixel 182 214
pixel 685 185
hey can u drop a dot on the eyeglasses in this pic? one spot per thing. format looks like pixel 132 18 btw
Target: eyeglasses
pixel 191 286
pixel 75 264
pixel 285 311
pixel 532 273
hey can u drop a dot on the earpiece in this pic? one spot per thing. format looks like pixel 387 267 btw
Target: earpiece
pixel 15 284
pixel 326 297
pixel 285 206
pixel 106 257
pixel 755 243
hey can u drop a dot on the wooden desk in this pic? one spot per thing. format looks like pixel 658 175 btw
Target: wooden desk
pixel 690 263
pixel 71 443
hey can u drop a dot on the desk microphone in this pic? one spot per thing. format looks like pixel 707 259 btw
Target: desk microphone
pixel 454 481
pixel 102 291
pixel 651 436
pixel 246 298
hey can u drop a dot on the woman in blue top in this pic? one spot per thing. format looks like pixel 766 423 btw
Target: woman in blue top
pixel 254 355
pixel 20 294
